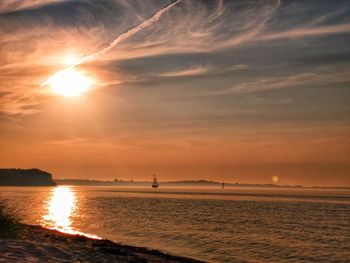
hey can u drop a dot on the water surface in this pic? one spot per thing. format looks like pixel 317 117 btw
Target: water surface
pixel 230 225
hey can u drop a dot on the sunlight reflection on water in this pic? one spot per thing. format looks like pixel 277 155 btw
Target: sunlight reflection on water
pixel 230 225
pixel 60 209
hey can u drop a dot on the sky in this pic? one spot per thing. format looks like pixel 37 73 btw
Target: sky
pixel 232 91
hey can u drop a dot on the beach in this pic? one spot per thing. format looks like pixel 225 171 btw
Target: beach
pixel 37 244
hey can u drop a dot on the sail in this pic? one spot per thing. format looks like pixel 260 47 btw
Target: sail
pixel 155 183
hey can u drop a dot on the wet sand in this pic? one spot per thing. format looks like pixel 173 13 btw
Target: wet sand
pixel 36 244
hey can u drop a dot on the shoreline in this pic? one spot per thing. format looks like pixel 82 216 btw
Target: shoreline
pixel 38 244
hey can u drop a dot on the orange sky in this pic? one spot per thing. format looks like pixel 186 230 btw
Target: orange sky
pixel 186 90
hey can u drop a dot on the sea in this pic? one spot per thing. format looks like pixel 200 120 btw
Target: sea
pixel 214 225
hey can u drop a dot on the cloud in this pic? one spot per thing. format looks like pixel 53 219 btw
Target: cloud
pixel 195 26
pixel 15 5
pixel 320 77
pixel 306 32
pixel 39 34
pixel 193 71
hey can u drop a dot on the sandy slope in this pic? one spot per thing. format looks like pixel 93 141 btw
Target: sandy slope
pixel 36 244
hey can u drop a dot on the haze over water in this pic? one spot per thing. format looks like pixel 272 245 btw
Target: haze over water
pixel 230 225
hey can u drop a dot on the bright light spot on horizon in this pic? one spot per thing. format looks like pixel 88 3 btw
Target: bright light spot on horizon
pixel 275 179
pixel 70 83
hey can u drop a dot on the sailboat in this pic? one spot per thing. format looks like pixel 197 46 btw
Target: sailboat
pixel 155 183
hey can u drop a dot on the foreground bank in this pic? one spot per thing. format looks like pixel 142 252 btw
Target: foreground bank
pixel 36 244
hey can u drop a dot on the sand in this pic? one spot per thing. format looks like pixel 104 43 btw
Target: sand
pixel 36 244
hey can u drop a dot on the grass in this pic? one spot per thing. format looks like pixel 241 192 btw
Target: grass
pixel 9 223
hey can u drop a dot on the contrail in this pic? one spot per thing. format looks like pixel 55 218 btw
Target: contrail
pixel 119 39
pixel 115 42
pixel 128 33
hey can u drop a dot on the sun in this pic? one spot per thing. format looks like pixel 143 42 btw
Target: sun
pixel 70 83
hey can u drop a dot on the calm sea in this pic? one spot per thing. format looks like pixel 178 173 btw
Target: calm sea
pixel 215 225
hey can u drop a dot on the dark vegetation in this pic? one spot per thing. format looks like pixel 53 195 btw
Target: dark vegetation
pixel 9 223
pixel 25 177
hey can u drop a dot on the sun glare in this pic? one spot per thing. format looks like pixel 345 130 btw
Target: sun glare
pixel 61 209
pixel 70 83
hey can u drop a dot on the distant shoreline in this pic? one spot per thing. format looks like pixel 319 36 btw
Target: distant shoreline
pixel 37 177
pixel 185 184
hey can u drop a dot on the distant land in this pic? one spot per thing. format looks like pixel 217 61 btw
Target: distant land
pixel 25 177
pixel 185 183
pixel 37 177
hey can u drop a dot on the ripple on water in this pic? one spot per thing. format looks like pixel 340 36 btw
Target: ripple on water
pixel 254 229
